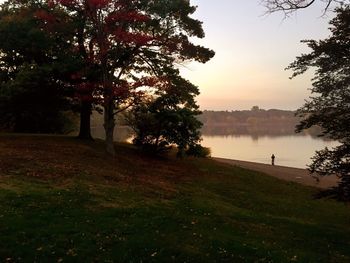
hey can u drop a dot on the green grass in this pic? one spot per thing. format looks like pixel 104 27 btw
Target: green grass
pixel 63 200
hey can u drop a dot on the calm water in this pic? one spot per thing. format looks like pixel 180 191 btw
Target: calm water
pixel 257 146
pixel 293 150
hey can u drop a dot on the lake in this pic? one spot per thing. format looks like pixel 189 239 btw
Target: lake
pixel 290 150
pixel 255 144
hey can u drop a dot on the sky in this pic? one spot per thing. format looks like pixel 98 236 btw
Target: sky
pixel 252 51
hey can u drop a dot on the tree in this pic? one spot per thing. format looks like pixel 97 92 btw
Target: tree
pixel 168 118
pixel 290 6
pixel 33 65
pixel 255 108
pixel 329 108
pixel 130 42
pixel 29 103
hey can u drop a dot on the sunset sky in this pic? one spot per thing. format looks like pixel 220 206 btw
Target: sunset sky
pixel 252 51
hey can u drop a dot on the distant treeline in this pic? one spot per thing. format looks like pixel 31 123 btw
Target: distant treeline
pixel 256 121
pixel 252 117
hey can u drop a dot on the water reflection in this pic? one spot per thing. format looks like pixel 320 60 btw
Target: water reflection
pixel 249 143
pixel 258 131
pixel 290 150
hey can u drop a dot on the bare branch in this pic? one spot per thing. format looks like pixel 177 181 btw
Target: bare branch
pixel 290 6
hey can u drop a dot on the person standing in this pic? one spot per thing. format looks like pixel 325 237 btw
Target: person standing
pixel 273 159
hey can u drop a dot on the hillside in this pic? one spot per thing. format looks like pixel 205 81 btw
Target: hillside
pixel 64 200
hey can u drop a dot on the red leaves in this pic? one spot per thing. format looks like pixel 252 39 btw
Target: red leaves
pixel 121 91
pixel 98 4
pixel 49 21
pixel 85 91
pixel 139 39
pixel 116 21
pixel 86 87
pixel 44 16
pixel 75 3
pixel 76 76
pixel 67 2
pixel 114 25
pixel 51 3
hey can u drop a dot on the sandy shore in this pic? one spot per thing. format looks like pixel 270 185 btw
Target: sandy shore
pixel 301 176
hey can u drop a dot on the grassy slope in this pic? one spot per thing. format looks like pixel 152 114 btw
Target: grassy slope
pixel 65 200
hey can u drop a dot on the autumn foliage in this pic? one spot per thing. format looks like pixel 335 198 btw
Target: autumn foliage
pixel 126 49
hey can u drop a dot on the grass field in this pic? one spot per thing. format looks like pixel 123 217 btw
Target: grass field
pixel 64 200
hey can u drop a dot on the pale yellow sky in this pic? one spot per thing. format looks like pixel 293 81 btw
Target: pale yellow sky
pixel 252 51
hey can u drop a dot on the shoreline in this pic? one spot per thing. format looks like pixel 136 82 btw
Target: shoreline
pixel 298 175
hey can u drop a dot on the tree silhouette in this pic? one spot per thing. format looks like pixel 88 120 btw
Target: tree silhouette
pixel 35 66
pixel 329 107
pixel 167 118
pixel 290 6
pixel 133 44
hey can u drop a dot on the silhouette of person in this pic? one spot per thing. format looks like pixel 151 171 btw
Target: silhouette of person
pixel 273 159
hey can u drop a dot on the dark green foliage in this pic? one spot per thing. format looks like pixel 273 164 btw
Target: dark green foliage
pixel 168 118
pixel 29 103
pixel 148 127
pixel 329 107
pixel 157 128
pixel 36 63
pixel 198 150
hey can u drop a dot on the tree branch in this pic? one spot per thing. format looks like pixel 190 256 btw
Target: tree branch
pixel 290 6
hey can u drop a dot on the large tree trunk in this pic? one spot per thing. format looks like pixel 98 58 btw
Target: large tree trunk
pixel 85 119
pixel 108 96
pixel 109 124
